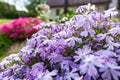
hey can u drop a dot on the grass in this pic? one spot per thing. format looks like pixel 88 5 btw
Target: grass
pixel 5 42
pixel 4 21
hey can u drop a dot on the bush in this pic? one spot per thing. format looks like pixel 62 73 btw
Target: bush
pixel 85 48
pixel 20 28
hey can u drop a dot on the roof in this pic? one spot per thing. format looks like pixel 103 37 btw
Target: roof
pixel 60 3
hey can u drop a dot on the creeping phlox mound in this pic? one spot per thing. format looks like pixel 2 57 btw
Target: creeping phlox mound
pixel 85 48
pixel 20 28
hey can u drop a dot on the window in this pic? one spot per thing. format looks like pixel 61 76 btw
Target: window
pixel 57 12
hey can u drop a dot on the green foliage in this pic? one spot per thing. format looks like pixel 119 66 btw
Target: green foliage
pixel 36 2
pixel 44 15
pixel 7 11
pixel 69 15
pixel 32 5
pixel 5 43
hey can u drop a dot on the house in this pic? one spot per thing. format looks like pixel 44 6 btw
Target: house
pixel 115 3
pixel 57 6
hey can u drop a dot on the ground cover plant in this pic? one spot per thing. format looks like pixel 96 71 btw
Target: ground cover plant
pixel 20 28
pixel 85 48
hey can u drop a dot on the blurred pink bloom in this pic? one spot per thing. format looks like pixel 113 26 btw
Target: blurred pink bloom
pixel 20 28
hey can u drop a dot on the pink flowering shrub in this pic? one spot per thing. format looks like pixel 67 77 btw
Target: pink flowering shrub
pixel 85 48
pixel 20 28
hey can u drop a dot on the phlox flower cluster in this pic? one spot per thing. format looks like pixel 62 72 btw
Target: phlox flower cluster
pixel 85 48
pixel 20 28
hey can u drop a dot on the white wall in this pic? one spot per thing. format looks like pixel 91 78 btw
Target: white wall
pixel 113 4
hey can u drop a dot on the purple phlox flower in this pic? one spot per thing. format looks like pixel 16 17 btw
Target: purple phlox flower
pixel 105 37
pixel 54 58
pixel 57 46
pixel 60 46
pixel 28 76
pixel 81 53
pixel 118 54
pixel 39 75
pixel 110 12
pixel 88 77
pixel 13 77
pixel 109 39
pixel 87 24
pixel 106 53
pixel 40 34
pixel 97 46
pixel 114 30
pixel 85 9
pixel 118 57
pixel 66 64
pixel 105 25
pixel 81 9
pixel 55 28
pixel 95 16
pixel 79 78
pixel 88 65
pixel 6 73
pixel 100 37
pixel 85 33
pixel 26 58
pixel 71 75
pixel 47 75
pixel 111 46
pixel 41 51
pixel 25 50
pixel 72 41
pixel 21 71
pixel 68 32
pixel 36 68
pixel 116 24
pixel 79 21
pixel 50 43
pixel 110 71
pixel 14 67
pixel 11 58
pixel 43 31
pixel 59 78
pixel 60 35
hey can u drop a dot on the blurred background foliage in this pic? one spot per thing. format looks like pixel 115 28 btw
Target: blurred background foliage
pixel 69 15
pixel 9 12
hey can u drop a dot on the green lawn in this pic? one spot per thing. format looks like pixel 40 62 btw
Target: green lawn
pixel 4 21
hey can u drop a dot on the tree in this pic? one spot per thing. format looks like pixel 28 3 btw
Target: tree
pixel 33 4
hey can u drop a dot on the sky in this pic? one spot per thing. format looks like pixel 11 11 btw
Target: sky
pixel 19 4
